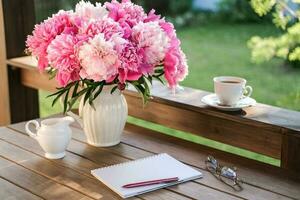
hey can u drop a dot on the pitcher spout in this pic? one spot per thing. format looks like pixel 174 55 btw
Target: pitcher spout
pixel 76 117
pixel 68 120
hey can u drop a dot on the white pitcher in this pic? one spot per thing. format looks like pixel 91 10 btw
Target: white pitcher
pixel 103 124
pixel 53 135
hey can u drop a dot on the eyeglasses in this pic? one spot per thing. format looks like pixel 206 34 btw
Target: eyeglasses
pixel 225 174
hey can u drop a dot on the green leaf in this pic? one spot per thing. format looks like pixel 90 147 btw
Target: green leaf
pixel 113 89
pixel 141 90
pixel 56 93
pixel 75 89
pixel 71 102
pixel 66 101
pixel 52 73
pixel 87 95
pixel 150 79
pixel 98 91
pixel 159 79
pixel 56 99
pixel 159 70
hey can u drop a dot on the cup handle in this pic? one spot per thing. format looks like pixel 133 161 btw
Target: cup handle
pixel 28 131
pixel 248 90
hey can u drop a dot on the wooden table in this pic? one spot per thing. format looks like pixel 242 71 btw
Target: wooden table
pixel 26 174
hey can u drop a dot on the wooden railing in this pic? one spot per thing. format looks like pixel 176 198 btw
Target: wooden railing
pixel 264 129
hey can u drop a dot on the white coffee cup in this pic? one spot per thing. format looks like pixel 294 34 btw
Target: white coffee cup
pixel 231 89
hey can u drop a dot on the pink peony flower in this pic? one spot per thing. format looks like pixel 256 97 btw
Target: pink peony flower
pixel 131 62
pixel 88 11
pixel 44 33
pixel 152 17
pixel 126 13
pixel 130 58
pixel 108 27
pixel 175 67
pixel 98 59
pixel 128 75
pixel 170 31
pixel 62 56
pixel 175 64
pixel 152 40
pixel 117 40
pixel 63 77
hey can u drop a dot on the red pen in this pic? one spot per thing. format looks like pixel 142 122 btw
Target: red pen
pixel 152 182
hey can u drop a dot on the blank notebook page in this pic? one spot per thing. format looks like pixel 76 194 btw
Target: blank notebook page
pixel 151 168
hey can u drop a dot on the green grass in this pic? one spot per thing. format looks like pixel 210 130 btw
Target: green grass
pixel 220 49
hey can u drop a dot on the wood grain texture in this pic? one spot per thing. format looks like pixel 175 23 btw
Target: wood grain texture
pixel 85 185
pixel 291 153
pixel 84 164
pixel 132 152
pixel 36 184
pixel 73 171
pixel 4 93
pixel 268 177
pixel 100 154
pixel 252 137
pixel 10 191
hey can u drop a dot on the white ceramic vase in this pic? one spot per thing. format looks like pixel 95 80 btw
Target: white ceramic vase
pixel 103 125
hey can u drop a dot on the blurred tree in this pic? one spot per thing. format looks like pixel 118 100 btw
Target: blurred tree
pixel 45 8
pixel 287 45
pixel 238 11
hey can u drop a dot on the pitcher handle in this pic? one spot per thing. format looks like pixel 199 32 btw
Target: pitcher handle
pixel 28 131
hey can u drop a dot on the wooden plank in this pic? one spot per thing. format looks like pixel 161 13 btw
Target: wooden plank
pixel 4 93
pixel 291 153
pixel 250 192
pixel 86 185
pixel 30 78
pixel 11 191
pixel 19 20
pixel 99 153
pixel 253 137
pixel 131 152
pixel 36 184
pixel 85 165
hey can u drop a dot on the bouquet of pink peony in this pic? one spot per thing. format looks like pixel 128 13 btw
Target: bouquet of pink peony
pixel 111 44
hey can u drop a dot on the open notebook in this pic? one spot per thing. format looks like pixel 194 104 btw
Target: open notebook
pixel 151 168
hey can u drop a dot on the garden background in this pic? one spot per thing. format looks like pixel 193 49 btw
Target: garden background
pixel 214 36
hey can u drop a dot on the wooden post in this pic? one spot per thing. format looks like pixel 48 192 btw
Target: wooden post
pixel 4 94
pixel 290 156
pixel 19 20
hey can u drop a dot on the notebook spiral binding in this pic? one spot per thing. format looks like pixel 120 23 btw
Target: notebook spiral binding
pixel 131 162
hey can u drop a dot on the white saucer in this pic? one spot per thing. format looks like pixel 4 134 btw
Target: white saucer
pixel 213 101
